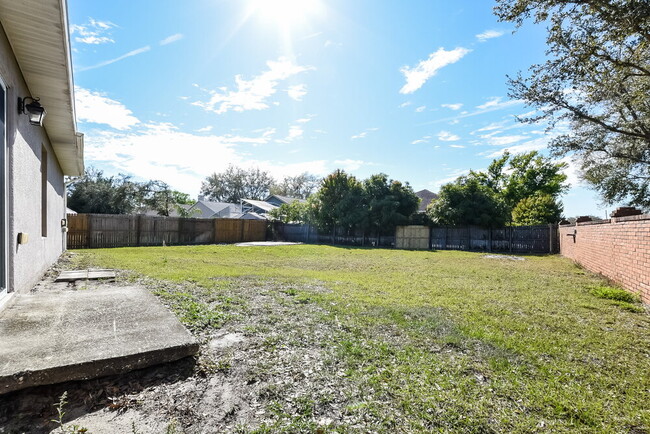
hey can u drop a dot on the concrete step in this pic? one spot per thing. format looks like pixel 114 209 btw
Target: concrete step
pixel 62 335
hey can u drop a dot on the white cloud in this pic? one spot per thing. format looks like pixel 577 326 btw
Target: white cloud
pixel 92 32
pixel 418 141
pixel 456 146
pixel 446 136
pixel 364 134
pixel 493 140
pixel 171 38
pixel 531 145
pixel 295 132
pixel 418 75
pixel 303 120
pixel 405 104
pixel 495 103
pixel 117 59
pixel 97 108
pixel 252 94
pixel 456 106
pixel 350 165
pixel 421 109
pixel 297 92
pixel 205 129
pixel 489 34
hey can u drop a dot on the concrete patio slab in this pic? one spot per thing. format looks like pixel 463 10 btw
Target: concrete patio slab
pixel 61 335
pixel 74 275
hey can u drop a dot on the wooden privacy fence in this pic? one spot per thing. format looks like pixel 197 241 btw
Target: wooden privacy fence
pixel 89 231
pixel 517 239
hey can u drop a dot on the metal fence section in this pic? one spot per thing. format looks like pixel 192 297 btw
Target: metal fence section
pixel 88 231
pixel 303 233
pixel 516 239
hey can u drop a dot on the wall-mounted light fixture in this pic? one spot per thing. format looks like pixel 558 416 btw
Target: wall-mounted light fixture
pixel 33 109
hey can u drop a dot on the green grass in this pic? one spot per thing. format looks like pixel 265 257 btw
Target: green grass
pixel 442 341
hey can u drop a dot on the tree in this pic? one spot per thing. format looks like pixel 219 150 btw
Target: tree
pixel 301 186
pixel 468 202
pixel 522 176
pixel 236 183
pixel 339 202
pixel 96 193
pixel 390 203
pixel 294 212
pixel 597 79
pixel 537 209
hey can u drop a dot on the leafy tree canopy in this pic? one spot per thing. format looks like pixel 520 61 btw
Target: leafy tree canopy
pixel 301 186
pixel 339 202
pixel 389 203
pixel 96 193
pixel 537 209
pixel 468 202
pixel 236 183
pixel 596 82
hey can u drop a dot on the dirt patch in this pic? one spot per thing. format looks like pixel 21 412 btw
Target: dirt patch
pixel 270 364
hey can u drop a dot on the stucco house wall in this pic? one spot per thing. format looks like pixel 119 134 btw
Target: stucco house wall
pixel 27 262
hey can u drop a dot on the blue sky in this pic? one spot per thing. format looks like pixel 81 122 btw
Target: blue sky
pixel 415 89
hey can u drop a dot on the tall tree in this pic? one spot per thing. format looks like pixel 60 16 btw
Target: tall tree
pixel 301 186
pixel 468 202
pixel 515 178
pixel 390 203
pixel 96 193
pixel 597 79
pixel 236 183
pixel 340 202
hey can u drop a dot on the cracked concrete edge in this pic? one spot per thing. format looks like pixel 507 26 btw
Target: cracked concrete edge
pixel 96 368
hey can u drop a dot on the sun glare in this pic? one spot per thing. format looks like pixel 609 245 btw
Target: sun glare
pixel 286 13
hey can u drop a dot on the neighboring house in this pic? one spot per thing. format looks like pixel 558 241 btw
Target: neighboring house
pixel 256 206
pixel 278 201
pixel 249 216
pixel 426 197
pixel 34 63
pixel 213 210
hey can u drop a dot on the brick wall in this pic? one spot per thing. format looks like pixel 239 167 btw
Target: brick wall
pixel 618 248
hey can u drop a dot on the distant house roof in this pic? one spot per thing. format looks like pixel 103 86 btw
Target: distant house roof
pixel 265 206
pixel 283 199
pixel 426 197
pixel 70 211
pixel 208 209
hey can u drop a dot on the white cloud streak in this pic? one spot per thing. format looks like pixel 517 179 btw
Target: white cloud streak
pixel 252 94
pixel 489 34
pixel 297 92
pixel 172 38
pixel 117 59
pixel 418 75
pixel 446 136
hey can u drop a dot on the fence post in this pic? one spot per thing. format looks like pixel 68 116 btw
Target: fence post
pixel 90 231
pixel 510 242
pixel 490 240
pixel 214 231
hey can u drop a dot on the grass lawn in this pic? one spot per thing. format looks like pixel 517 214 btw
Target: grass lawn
pixel 427 341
